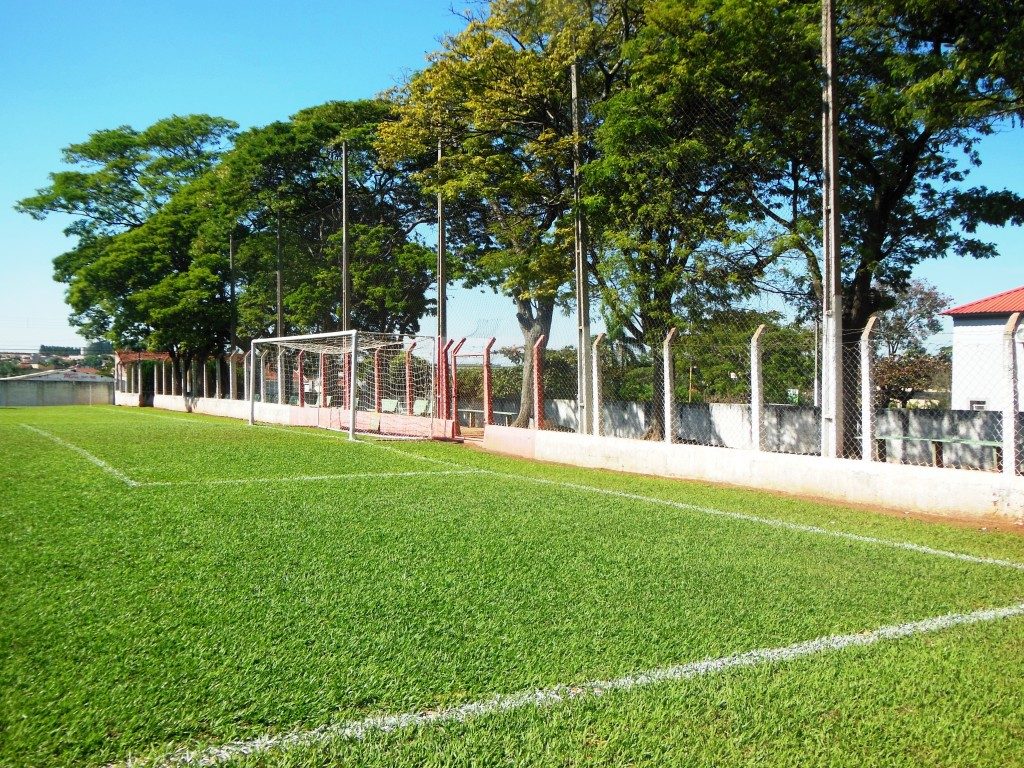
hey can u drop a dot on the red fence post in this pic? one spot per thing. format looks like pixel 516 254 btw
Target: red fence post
pixel 538 385
pixel 376 380
pixel 443 370
pixel 488 394
pixel 322 402
pixel 455 384
pixel 408 379
pixel 346 366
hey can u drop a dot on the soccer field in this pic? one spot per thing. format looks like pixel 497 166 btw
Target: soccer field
pixel 184 589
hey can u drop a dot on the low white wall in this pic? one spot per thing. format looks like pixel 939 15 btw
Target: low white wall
pixel 267 413
pixel 26 392
pixel 925 490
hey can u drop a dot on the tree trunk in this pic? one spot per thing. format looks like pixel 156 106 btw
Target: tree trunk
pixel 534 316
pixel 656 428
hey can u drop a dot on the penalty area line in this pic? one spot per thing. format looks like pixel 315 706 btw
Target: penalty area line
pixel 307 478
pixel 356 730
pixel 84 454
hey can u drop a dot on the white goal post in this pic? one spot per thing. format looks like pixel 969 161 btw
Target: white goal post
pixel 352 381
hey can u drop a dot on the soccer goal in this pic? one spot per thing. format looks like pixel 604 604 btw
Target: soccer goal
pixel 353 381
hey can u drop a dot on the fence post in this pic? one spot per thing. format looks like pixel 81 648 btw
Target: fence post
pixel 408 379
pixel 156 380
pixel 302 378
pixel 232 377
pixel 280 376
pixel 377 390
pixel 595 380
pixel 538 385
pixel 321 400
pixel 488 389
pixel 867 392
pixel 1010 457
pixel 206 378
pixel 218 372
pixel 455 385
pixel 246 384
pixel 250 382
pixel 353 396
pixel 445 404
pixel 756 392
pixel 669 381
pixel 263 375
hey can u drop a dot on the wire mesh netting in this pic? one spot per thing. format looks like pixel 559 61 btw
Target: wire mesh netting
pixel 387 380
pixel 939 401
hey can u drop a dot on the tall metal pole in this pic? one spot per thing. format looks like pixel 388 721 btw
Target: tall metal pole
pixel 832 298
pixel 346 284
pixel 442 300
pixel 280 283
pixel 442 277
pixel 231 292
pixel 584 395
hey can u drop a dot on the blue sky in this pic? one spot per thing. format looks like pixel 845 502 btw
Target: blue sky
pixel 70 68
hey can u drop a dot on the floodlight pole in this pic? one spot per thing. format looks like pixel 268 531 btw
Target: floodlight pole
pixel 280 283
pixel 584 396
pixel 353 401
pixel 832 287
pixel 346 284
pixel 252 383
pixel 442 277
pixel 442 298
pixel 231 289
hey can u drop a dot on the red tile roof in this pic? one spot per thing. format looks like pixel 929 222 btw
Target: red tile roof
pixel 1001 304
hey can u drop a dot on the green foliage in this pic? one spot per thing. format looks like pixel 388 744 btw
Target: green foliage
pixel 291 173
pixel 911 320
pixel 901 377
pixel 10 368
pixel 129 175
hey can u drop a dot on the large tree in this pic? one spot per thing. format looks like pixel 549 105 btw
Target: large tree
pixel 288 175
pixel 121 178
pixel 497 98
pixel 914 99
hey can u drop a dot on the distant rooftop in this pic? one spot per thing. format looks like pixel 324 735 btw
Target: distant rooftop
pixel 61 374
pixel 1003 303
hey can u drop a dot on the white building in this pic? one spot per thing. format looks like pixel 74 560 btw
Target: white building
pixel 980 374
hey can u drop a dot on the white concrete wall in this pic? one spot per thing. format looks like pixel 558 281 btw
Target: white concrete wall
pixel 924 490
pixel 28 392
pixel 978 363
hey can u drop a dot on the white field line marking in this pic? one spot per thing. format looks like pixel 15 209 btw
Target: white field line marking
pixel 785 524
pixel 355 730
pixel 744 516
pixel 308 478
pixel 84 454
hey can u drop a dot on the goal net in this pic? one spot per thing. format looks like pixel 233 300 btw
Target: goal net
pixel 353 381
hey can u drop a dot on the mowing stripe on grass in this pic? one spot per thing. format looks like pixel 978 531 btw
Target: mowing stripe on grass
pixel 84 454
pixel 785 524
pixel 744 516
pixel 354 730
pixel 310 478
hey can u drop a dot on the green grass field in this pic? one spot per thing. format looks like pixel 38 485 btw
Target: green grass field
pixel 180 587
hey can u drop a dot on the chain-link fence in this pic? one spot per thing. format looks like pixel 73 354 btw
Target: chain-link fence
pixel 944 401
pixel 737 382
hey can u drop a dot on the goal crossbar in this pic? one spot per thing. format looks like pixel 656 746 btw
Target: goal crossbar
pixel 353 381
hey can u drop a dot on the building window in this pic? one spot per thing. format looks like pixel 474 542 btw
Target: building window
pixel 977 405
